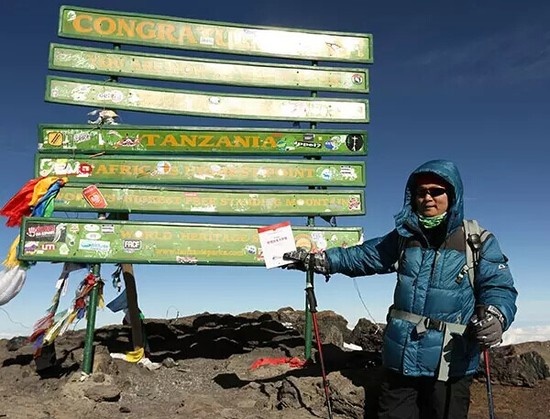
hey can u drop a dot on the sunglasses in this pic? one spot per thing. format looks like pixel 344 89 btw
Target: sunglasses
pixel 433 192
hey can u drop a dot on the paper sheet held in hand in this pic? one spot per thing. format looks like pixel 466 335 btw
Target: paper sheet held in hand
pixel 276 239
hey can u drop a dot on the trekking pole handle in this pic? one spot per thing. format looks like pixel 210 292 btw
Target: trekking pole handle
pixel 311 300
pixel 480 312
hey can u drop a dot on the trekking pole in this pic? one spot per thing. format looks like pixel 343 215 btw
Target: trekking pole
pixel 312 302
pixel 480 312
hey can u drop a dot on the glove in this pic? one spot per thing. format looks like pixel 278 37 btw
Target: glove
pixel 305 261
pixel 488 330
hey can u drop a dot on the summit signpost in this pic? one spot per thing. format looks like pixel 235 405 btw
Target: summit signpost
pixel 277 162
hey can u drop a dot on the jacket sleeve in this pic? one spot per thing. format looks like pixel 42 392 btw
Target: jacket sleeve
pixel 494 284
pixel 375 256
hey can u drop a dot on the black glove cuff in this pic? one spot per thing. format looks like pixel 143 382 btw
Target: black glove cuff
pixel 496 312
pixel 323 265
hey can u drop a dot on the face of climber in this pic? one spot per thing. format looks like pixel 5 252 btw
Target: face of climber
pixel 431 196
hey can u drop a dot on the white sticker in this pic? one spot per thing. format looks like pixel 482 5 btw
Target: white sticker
pixel 91 227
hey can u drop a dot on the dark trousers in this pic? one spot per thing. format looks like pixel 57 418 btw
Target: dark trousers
pixel 404 397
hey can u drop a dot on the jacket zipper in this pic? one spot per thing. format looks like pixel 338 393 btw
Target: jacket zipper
pixel 434 264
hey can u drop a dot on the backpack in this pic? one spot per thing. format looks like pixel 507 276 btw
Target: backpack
pixel 474 236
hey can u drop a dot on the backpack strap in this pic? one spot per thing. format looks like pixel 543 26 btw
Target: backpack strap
pixel 401 242
pixel 474 236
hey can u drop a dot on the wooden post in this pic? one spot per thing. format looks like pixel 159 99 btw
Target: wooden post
pixel 87 359
pixel 129 279
pixel 133 307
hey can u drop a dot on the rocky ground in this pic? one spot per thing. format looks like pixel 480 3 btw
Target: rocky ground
pixel 202 368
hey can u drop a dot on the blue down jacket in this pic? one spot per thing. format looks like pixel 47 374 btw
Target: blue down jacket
pixel 428 283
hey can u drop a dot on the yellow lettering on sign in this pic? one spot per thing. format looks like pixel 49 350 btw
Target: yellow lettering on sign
pixel 214 236
pixel 83 23
pixel 224 142
pixel 165 32
pixel 150 139
pixel 186 140
pixel 145 30
pixel 269 142
pixel 125 170
pixel 157 235
pixel 108 29
pixel 107 61
pixel 220 38
pixel 187 36
pixel 101 169
pixel 127 28
pixel 67 195
pixel 121 169
pixel 181 33
pixel 126 234
pixel 242 141
pixel 207 141
pixel 169 140
pixel 292 172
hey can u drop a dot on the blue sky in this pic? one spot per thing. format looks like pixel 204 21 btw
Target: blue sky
pixel 466 81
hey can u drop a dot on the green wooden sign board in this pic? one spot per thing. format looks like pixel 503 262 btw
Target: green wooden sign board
pixel 165 67
pixel 105 241
pixel 169 32
pixel 166 200
pixel 151 170
pixel 187 140
pixel 185 102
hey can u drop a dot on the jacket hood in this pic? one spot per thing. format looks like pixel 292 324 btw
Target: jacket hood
pixel 446 170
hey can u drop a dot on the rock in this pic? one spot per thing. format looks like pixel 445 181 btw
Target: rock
pixel 169 363
pixel 347 399
pixel 367 335
pixel 334 336
pixel 98 377
pixel 331 325
pixel 102 393
pixel 103 362
pixel 520 365
pixel 289 396
pixel 16 343
pixel 200 406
